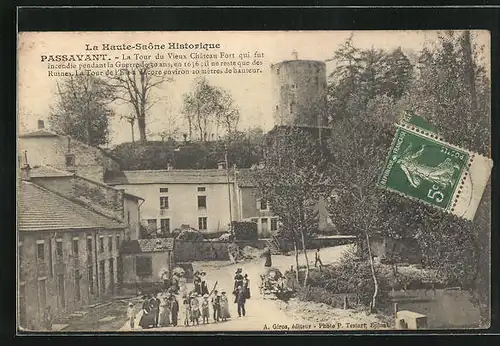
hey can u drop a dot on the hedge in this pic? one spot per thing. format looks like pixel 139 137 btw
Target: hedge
pixel 245 230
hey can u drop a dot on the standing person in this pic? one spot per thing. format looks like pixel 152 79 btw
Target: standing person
pixel 146 319
pixel 216 306
pixel 224 307
pixel 174 309
pixel 246 286
pixel 240 301
pixel 155 302
pixel 317 259
pixel 182 284
pixel 187 310
pixel 47 318
pixel 175 283
pixel 131 315
pixel 197 282
pixel 238 279
pixel 269 261
pixel 204 285
pixel 195 309
pixel 164 312
pixel 205 310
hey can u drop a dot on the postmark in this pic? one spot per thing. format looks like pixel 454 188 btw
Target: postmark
pixel 422 166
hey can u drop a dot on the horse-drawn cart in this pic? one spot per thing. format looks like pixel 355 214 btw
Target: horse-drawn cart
pixel 274 284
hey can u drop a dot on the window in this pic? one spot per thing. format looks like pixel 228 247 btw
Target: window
pixel 102 276
pixel 202 202
pixel 201 189
pixel 70 160
pixel 165 225
pixel 40 250
pixel 101 243
pixel 263 204
pixel 91 279
pixel 77 285
pixel 59 248
pixel 110 243
pixel 274 224
pixel 75 246
pixel 112 274
pixel 202 223
pixel 143 266
pixel 264 223
pixel 128 218
pixel 163 202
pixel 118 242
pixel 61 291
pixel 89 246
pixel 163 189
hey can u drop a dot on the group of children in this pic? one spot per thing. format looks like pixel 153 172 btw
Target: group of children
pixel 193 309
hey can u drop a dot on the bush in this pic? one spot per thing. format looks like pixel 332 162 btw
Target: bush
pixel 350 277
pixel 245 230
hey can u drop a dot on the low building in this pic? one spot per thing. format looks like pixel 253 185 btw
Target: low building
pixel 144 261
pixel 112 202
pixel 68 254
pixel 66 153
pixel 204 199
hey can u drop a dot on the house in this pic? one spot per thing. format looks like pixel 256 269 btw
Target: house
pixel 205 199
pixel 144 261
pixel 68 253
pixel 105 199
pixel 63 152
pixel 252 207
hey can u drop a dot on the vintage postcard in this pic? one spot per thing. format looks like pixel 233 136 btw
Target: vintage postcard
pixel 253 181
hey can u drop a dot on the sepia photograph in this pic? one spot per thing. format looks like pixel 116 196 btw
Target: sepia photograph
pixel 272 181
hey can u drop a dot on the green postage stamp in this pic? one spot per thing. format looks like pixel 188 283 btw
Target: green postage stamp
pixel 422 166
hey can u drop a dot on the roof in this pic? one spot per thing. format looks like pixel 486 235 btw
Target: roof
pixel 148 245
pixel 39 133
pixel 245 178
pixel 48 172
pixel 175 176
pixel 40 210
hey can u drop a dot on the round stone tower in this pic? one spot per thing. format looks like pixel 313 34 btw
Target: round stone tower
pixel 299 93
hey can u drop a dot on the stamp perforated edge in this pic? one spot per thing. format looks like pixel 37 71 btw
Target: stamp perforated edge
pixel 458 207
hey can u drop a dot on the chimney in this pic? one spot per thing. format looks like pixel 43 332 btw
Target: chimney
pixel 295 55
pixel 25 167
pixel 41 125
pixel 221 165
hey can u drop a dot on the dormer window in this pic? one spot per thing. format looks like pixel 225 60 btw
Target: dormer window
pixel 70 160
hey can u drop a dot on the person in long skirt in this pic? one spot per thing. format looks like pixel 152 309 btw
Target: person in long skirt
pixel 195 309
pixel 174 309
pixel 224 306
pixel 182 285
pixel 246 286
pixel 205 309
pixel 197 283
pixel 269 261
pixel 238 279
pixel 164 317
pixel 146 320
pixel 204 284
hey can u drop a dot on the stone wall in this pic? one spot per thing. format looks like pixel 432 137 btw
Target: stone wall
pixel 187 251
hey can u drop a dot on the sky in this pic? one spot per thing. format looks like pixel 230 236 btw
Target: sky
pixel 251 93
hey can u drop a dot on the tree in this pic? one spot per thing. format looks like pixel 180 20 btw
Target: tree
pixel 135 86
pixel 361 138
pixel 292 178
pixel 208 108
pixel 82 109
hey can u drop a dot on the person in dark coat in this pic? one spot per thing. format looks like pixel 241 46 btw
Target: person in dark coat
pixel 246 286
pixel 238 279
pixel 204 285
pixel 174 309
pixel 269 261
pixel 146 320
pixel 216 306
pixel 240 301
pixel 155 309
pixel 197 283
